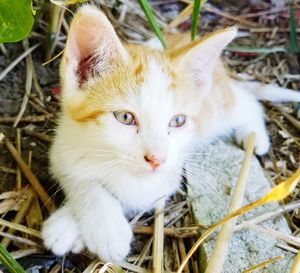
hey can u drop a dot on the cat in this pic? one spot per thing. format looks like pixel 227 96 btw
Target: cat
pixel 130 116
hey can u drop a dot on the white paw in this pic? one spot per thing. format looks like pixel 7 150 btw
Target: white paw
pixel 262 142
pixel 60 233
pixel 110 241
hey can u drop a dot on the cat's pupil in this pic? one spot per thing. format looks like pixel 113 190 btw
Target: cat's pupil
pixel 177 121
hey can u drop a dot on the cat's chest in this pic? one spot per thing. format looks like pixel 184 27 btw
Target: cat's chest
pixel 138 193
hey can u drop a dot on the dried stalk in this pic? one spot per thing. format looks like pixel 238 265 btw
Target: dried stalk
pixel 289 117
pixel 216 261
pixel 19 217
pixel 158 240
pixel 21 228
pixel 37 135
pixel 43 195
pixel 28 85
pixel 292 240
pixel 19 149
pixel 18 239
pixel 180 232
pixel 269 215
pixel 7 170
pixel 263 264
pixel 296 264
pixel 30 119
pixel 16 61
pixel 26 252
pixel 134 268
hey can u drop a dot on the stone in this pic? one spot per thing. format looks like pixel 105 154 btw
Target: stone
pixel 211 174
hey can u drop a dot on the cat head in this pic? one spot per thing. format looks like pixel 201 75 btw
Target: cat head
pixel 136 104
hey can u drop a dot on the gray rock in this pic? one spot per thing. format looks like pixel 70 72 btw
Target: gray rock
pixel 211 175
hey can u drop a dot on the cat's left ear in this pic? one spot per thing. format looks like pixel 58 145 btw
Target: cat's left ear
pixel 200 56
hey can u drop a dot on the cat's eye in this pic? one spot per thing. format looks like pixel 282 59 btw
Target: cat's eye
pixel 177 121
pixel 125 117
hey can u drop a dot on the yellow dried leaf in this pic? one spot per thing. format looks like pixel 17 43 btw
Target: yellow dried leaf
pixel 66 2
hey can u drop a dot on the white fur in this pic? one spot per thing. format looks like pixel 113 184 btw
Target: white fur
pixel 66 236
pixel 102 169
pixel 103 172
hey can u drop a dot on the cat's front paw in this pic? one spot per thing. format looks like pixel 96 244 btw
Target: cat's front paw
pixel 262 141
pixel 60 233
pixel 109 241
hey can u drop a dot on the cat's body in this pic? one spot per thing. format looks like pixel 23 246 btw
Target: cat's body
pixel 131 115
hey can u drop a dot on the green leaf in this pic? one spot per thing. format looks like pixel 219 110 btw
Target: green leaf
pixel 16 20
pixel 195 17
pixel 293 43
pixel 9 262
pixel 152 21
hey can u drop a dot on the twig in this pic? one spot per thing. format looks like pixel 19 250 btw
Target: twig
pixel 28 85
pixel 181 17
pixel 18 239
pixel 146 250
pixel 7 170
pixel 56 17
pixel 269 215
pixel 158 240
pixel 37 135
pixel 215 264
pixel 263 264
pixel 26 252
pixel 16 61
pixel 280 125
pixel 287 248
pixel 180 232
pixel 182 253
pixel 47 201
pixel 21 228
pixel 238 19
pixel 3 49
pixel 30 119
pixel 134 268
pixel 19 149
pixel 275 234
pixel 296 264
pixel 57 268
pixel 20 215
pixel 289 117
pixel 36 84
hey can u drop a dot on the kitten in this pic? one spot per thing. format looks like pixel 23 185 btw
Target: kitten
pixel 130 115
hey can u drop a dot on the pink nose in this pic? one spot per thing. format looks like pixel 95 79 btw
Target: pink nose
pixel 153 161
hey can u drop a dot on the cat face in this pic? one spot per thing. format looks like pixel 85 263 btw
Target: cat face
pixel 137 106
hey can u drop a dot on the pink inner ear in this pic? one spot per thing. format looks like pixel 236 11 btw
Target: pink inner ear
pixel 80 47
pixel 85 69
pixel 92 45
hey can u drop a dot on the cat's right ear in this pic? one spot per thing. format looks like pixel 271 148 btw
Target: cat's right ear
pixel 92 46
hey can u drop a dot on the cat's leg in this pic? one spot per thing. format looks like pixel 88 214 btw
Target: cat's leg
pixel 61 234
pixel 249 117
pixel 103 226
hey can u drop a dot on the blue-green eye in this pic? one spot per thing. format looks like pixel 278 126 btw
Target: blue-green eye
pixel 125 117
pixel 177 121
